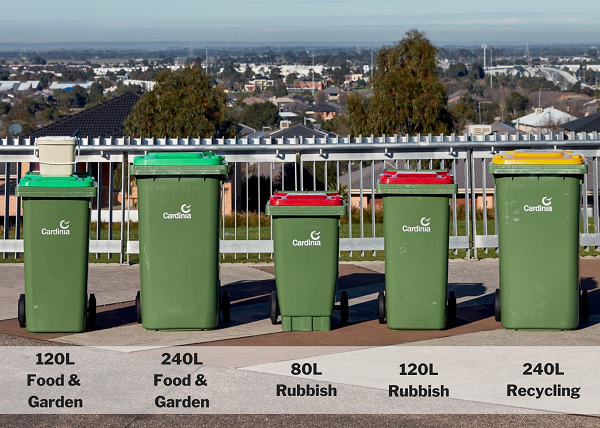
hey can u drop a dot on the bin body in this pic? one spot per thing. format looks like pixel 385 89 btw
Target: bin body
pixel 179 211
pixel 56 232
pixel 538 239
pixel 306 248
pixel 416 208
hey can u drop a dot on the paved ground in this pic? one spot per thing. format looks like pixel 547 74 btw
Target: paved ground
pixel 250 287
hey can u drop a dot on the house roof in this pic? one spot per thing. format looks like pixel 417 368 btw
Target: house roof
pixel 585 124
pixel 103 120
pixel 244 130
pixel 332 90
pixel 323 108
pixel 548 117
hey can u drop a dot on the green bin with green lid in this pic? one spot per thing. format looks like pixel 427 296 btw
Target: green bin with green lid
pixel 538 195
pixel 416 207
pixel 306 247
pixel 56 232
pixel 179 196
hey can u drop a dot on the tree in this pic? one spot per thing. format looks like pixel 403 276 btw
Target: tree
pixel 457 70
pixel 320 97
pixel 38 60
pixel 290 78
pixel 259 115
pixel 280 91
pixel 407 97
pixel 477 71
pixel 184 103
pixel 516 102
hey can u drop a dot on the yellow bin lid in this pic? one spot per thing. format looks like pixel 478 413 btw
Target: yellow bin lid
pixel 538 157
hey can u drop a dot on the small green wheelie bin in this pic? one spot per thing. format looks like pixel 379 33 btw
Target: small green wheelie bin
pixel 306 247
pixel 538 201
pixel 56 229
pixel 179 200
pixel 416 207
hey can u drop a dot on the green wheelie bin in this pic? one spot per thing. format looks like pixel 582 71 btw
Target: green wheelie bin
pixel 179 200
pixel 416 207
pixel 306 247
pixel 56 229
pixel 538 201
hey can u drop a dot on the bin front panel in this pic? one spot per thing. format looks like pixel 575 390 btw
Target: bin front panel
pixel 306 264
pixel 179 251
pixel 416 260
pixel 538 232
pixel 56 247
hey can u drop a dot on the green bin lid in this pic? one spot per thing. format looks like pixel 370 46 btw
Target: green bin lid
pixel 196 163
pixel 177 159
pixel 36 185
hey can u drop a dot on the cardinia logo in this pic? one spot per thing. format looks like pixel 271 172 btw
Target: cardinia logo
pixel 315 240
pixel 62 229
pixel 546 205
pixel 423 227
pixel 183 214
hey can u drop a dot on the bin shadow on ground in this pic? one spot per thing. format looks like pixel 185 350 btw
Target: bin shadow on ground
pixel 250 302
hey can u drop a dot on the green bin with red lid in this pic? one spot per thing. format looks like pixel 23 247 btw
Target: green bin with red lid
pixel 306 248
pixel 416 210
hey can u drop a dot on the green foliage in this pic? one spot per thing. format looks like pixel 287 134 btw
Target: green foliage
pixel 280 91
pixel 290 78
pixel 123 89
pixel 184 103
pixel 258 115
pixel 516 102
pixel 38 60
pixel 456 70
pixel 407 97
pixel 477 71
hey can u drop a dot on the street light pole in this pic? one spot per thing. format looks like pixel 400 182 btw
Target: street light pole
pixel 484 46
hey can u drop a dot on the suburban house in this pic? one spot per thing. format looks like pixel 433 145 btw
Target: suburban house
pixel 68 86
pixel 543 120
pixel 16 86
pixel 324 111
pixel 333 93
pixel 589 123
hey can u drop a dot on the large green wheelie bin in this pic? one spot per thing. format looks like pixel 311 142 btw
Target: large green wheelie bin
pixel 306 247
pixel 538 202
pixel 56 231
pixel 416 206
pixel 179 197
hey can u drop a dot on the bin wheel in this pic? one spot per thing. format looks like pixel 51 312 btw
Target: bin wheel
pixel 138 307
pixel 274 307
pixel 584 306
pixel 344 308
pixel 497 305
pixel 225 306
pixel 21 312
pixel 381 307
pixel 92 310
pixel 451 314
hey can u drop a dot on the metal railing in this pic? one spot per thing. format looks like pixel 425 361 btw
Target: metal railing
pixel 349 164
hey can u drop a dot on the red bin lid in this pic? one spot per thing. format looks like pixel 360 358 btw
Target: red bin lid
pixel 306 199
pixel 416 177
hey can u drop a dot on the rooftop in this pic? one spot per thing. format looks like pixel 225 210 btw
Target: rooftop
pixel 104 120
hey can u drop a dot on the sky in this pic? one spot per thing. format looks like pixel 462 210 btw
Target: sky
pixel 285 21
